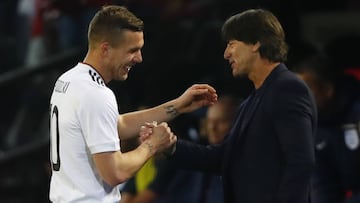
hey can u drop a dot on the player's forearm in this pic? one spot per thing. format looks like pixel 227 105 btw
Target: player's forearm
pixel 129 124
pixel 129 163
pixel 117 167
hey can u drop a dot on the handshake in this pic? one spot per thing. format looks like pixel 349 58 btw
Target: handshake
pixel 159 138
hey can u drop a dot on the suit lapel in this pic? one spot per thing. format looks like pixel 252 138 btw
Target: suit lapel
pixel 254 102
pixel 248 114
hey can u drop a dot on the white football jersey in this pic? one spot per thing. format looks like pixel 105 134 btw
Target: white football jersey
pixel 83 121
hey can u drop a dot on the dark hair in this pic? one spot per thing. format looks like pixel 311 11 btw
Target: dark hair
pixel 110 22
pixel 258 25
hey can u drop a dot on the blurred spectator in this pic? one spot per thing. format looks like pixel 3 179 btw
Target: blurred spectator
pixel 218 122
pixel 25 14
pixel 45 27
pixel 219 118
pixel 337 141
pixel 71 19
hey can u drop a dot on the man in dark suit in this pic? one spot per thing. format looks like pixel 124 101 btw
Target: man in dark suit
pixel 268 156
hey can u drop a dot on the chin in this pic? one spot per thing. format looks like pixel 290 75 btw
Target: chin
pixel 235 74
pixel 123 78
pixel 238 73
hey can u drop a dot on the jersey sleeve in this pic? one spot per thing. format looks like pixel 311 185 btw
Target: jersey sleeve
pixel 98 115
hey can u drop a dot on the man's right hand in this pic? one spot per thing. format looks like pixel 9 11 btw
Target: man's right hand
pixel 157 137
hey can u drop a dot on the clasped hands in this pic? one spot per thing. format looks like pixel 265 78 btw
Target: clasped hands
pixel 160 136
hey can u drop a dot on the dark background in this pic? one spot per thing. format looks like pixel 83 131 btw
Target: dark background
pixel 183 46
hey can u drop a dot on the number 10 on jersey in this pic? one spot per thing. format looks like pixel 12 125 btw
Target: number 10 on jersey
pixel 54 138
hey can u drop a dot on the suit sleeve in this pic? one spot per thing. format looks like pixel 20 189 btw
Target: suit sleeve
pixel 130 187
pixel 194 156
pixel 293 115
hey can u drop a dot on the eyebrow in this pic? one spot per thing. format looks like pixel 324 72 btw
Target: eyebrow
pixel 134 49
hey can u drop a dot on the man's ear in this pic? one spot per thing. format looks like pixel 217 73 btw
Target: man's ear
pixel 105 48
pixel 256 46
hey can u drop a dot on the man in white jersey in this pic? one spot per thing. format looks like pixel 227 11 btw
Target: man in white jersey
pixel 85 125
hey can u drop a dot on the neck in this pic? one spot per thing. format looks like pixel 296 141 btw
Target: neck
pixel 94 62
pixel 261 71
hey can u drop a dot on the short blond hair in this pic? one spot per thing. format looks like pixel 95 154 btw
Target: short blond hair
pixel 109 23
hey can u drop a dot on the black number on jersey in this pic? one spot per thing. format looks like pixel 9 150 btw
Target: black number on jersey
pixel 54 137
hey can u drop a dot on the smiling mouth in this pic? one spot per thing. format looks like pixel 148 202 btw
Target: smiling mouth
pixel 231 63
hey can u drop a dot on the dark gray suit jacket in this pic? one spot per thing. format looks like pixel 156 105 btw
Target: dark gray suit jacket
pixel 268 156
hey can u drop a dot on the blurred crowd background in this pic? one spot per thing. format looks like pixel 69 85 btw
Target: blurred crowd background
pixel 39 39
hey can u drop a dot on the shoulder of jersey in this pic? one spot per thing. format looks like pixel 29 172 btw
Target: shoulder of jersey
pixel 83 73
pixel 96 78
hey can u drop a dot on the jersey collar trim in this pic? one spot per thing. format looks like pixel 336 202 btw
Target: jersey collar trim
pixel 102 82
